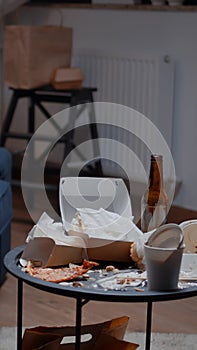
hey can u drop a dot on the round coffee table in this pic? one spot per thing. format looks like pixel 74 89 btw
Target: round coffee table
pixel 87 293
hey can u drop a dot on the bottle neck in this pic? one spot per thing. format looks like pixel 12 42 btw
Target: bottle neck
pixel 156 173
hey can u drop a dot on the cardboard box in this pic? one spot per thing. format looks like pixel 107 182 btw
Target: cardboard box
pixel 108 193
pixel 80 192
pixel 43 251
pixel 67 78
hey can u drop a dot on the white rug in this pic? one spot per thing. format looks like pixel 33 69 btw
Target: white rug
pixel 165 341
pixel 160 341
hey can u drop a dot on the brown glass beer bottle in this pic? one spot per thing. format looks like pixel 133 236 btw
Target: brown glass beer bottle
pixel 154 203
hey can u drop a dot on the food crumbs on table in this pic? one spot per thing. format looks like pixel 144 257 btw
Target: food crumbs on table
pixel 77 284
pixel 139 289
pixel 110 268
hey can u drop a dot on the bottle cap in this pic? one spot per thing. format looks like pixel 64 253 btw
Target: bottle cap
pixel 155 157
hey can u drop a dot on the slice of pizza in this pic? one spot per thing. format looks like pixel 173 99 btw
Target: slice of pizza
pixel 61 274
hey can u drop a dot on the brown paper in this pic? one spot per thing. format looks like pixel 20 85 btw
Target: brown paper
pixel 67 78
pixel 31 53
pixel 43 251
pixel 118 251
pixel 105 334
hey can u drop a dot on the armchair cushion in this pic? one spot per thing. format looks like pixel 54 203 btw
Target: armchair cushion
pixel 5 203
pixel 5 164
pixel 5 207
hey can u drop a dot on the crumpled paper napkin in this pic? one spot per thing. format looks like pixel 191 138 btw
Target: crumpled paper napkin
pixel 100 224
pixel 104 224
pixel 47 227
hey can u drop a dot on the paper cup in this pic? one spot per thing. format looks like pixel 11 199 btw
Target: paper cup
pixel 166 236
pixel 189 228
pixel 163 267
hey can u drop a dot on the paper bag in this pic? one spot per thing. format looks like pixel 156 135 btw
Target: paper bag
pixel 50 338
pixel 31 53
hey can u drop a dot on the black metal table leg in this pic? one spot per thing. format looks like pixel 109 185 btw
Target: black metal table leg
pixel 148 325
pixel 31 115
pixel 80 304
pixel 19 314
pixel 78 324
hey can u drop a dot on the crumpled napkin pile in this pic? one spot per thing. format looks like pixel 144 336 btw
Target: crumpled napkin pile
pixel 99 224
pixel 104 224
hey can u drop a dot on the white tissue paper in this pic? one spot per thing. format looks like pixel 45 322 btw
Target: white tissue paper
pixel 137 250
pixel 92 228
pixel 47 227
pixel 104 224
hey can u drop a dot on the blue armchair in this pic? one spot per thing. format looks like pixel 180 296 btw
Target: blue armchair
pixel 5 207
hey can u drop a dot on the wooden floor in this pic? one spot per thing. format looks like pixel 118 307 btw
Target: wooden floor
pixel 41 308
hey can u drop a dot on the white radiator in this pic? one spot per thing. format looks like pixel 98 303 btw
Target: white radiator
pixel 139 81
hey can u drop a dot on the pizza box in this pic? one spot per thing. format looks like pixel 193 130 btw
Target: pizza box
pixel 95 193
pixel 45 251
